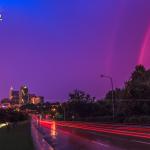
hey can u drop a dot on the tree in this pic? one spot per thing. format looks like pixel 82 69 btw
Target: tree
pixel 138 86
pixel 137 92
pixel 79 103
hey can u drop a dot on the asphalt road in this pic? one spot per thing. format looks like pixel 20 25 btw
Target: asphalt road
pixel 68 137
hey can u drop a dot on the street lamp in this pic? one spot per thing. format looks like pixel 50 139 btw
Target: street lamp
pixel 112 96
pixel 53 109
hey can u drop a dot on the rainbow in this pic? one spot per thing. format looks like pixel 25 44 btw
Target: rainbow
pixel 145 50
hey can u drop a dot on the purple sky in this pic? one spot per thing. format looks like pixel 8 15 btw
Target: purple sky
pixel 56 46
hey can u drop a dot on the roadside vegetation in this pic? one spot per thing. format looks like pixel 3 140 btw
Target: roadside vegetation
pixel 9 115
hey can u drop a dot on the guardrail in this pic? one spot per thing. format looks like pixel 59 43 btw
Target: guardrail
pixel 39 138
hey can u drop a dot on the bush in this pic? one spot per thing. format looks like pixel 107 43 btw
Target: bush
pixel 11 116
pixel 138 119
pixel 96 119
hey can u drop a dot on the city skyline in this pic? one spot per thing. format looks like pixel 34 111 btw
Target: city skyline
pixel 56 47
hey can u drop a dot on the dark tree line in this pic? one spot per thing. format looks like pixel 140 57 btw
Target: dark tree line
pixel 12 116
pixel 132 102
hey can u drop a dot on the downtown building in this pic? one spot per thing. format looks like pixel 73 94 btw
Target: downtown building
pixel 14 96
pixel 19 97
pixel 33 99
pixel 23 97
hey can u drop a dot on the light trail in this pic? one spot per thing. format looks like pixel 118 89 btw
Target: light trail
pixel 111 129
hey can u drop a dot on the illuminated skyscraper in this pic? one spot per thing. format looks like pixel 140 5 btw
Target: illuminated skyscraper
pixel 14 96
pixel 11 93
pixel 23 95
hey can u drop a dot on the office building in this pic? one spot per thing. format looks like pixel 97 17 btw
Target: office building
pixel 23 95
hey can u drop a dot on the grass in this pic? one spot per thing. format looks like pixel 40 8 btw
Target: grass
pixel 18 138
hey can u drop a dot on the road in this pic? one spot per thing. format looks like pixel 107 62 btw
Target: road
pixel 89 136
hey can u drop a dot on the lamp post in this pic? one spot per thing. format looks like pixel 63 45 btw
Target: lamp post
pixel 64 110
pixel 112 94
